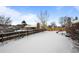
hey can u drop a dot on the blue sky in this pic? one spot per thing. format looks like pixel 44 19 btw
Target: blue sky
pixel 29 13
pixel 54 10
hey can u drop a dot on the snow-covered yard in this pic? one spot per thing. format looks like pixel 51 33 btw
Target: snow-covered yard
pixel 42 42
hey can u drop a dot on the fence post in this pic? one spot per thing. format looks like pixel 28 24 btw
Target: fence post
pixel 2 37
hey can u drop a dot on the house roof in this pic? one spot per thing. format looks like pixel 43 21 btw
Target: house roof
pixel 30 26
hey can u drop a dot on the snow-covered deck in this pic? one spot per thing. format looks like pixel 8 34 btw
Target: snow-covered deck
pixel 76 21
pixel 42 42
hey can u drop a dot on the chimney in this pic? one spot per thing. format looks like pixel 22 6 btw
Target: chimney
pixel 38 25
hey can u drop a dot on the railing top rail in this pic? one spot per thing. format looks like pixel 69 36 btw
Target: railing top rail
pixel 16 32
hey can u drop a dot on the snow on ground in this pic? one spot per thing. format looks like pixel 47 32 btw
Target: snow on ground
pixel 44 42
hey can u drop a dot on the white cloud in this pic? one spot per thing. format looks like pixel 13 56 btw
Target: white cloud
pixel 17 17
pixel 10 13
pixel 30 18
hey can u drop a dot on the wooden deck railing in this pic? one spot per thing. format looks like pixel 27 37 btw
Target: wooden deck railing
pixel 11 35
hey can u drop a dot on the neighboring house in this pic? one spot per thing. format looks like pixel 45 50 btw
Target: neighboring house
pixel 29 27
pixel 19 26
pixel 12 28
pixel 7 28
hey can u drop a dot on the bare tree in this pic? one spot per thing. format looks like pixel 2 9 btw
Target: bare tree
pixel 61 21
pixel 65 21
pixel 76 18
pixel 53 24
pixel 43 17
pixel 24 22
pixel 5 20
